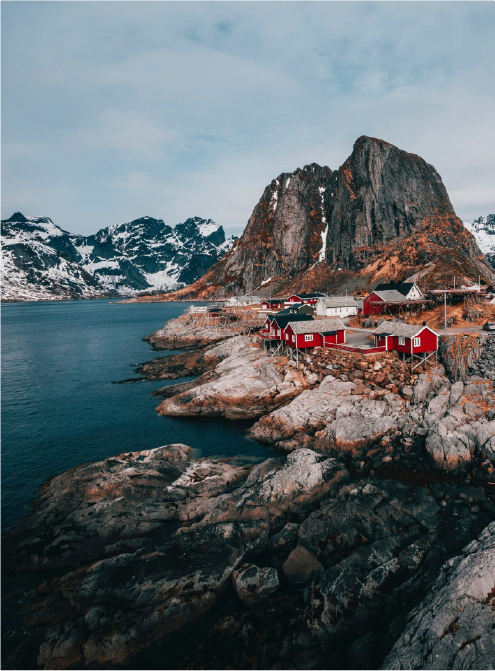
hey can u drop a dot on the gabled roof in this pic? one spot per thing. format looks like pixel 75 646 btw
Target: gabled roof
pixel 339 302
pixel 318 326
pixel 402 287
pixel 315 294
pixel 296 308
pixel 400 329
pixel 283 320
pixel 272 300
pixel 390 296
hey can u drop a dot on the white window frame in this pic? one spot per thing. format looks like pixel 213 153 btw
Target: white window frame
pixel 293 338
pixel 402 340
pixel 416 342
pixel 308 338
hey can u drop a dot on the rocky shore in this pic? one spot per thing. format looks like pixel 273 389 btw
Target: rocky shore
pixel 367 541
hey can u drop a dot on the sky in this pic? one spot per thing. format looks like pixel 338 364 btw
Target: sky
pixel 116 110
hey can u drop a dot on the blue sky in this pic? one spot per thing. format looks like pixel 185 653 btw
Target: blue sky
pixel 115 110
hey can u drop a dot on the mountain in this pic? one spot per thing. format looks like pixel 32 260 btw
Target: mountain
pixel 483 230
pixel 383 215
pixel 42 261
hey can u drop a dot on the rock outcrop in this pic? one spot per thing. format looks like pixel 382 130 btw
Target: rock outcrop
pixel 453 627
pixel 460 353
pixel 245 384
pixel 186 332
pixel 384 214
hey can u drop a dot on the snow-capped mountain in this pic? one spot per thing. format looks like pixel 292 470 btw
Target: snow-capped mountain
pixel 483 230
pixel 42 261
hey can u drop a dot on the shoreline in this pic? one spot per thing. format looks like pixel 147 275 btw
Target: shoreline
pixel 362 470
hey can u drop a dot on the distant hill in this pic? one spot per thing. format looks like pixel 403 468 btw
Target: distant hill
pixel 42 261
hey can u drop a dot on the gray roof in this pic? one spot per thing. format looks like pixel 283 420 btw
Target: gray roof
pixel 390 295
pixel 399 329
pixel 339 302
pixel 318 326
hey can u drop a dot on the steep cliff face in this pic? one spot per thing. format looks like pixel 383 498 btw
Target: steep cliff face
pixel 284 234
pixel 383 213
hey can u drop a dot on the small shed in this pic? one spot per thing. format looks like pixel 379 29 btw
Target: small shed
pixel 336 306
pixel 318 333
pixel 406 338
pixel 272 303
pixel 374 303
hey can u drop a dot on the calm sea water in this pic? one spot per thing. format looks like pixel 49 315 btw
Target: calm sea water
pixel 60 407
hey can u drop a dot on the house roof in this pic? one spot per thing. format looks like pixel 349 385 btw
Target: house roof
pixel 272 300
pixel 339 302
pixel 400 329
pixel 390 295
pixel 283 320
pixel 318 326
pixel 296 308
pixel 402 287
pixel 315 294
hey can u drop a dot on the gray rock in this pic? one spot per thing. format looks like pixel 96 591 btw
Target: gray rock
pixel 453 627
pixel 254 584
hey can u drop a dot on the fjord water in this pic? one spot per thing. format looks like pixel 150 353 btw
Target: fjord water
pixel 60 406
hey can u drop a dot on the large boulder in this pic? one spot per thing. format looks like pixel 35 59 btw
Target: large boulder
pixel 254 584
pixel 452 628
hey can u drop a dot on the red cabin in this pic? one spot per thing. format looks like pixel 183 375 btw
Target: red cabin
pixel 275 325
pixel 306 299
pixel 319 333
pixel 374 303
pixel 272 304
pixel 406 338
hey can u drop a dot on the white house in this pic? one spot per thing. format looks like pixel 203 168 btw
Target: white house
pixel 244 300
pixel 409 290
pixel 336 306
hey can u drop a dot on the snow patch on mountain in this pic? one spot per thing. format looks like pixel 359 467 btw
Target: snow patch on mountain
pixel 41 261
pixel 483 229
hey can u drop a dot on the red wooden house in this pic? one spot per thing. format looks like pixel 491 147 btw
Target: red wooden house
pixel 272 303
pixel 275 325
pixel 406 338
pixel 307 299
pixel 375 302
pixel 319 333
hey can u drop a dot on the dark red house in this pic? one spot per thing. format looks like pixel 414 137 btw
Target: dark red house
pixel 307 299
pixel 317 333
pixel 272 303
pixel 275 325
pixel 374 303
pixel 406 338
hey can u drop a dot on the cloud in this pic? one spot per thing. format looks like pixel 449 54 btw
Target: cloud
pixel 114 110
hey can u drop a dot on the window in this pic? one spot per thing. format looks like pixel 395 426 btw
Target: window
pixel 417 342
pixel 293 338
pixel 402 340
pixel 308 338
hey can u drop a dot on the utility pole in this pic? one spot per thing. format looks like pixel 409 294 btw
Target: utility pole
pixel 454 282
pixel 445 312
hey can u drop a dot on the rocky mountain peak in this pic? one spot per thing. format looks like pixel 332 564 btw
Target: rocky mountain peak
pixel 315 223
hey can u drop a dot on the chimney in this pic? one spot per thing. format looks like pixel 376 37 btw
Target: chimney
pixel 424 323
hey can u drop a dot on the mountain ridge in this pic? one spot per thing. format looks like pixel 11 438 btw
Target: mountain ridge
pixel 42 261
